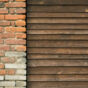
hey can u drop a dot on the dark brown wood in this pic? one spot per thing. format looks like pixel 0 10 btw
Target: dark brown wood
pixel 56 37
pixel 57 32
pixel 56 56
pixel 58 50
pixel 48 63
pixel 57 26
pixel 58 20
pixel 58 84
pixel 57 43
pixel 57 70
pixel 58 2
pixel 50 78
pixel 55 15
pixel 58 9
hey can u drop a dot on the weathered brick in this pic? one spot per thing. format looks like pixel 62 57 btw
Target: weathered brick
pixel 20 35
pixel 15 41
pixel 15 29
pixel 15 4
pixel 4 23
pixel 20 48
pixel 3 0
pixel 8 60
pixel 20 10
pixel 20 23
pixel 14 17
pixel 1 4
pixel 7 83
pixel 20 83
pixel 1 17
pixel 4 47
pixel 21 60
pixel 3 10
pixel 1 77
pixel 21 72
pixel 15 77
pixel 17 66
pixel 1 65
pixel 7 72
pixel 15 54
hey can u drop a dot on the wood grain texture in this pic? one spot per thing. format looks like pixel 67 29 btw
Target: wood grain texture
pixel 58 84
pixel 48 63
pixel 57 70
pixel 57 43
pixel 58 2
pixel 58 78
pixel 56 37
pixel 59 9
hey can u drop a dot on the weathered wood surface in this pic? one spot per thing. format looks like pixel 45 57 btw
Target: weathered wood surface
pixel 58 2
pixel 51 78
pixel 58 56
pixel 58 9
pixel 55 15
pixel 57 84
pixel 57 43
pixel 48 63
pixel 58 50
pixel 58 20
pixel 57 70
pixel 56 37
pixel 57 26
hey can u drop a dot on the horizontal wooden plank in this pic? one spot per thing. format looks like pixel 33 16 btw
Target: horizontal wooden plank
pixel 57 44
pixel 57 26
pixel 42 56
pixel 58 20
pixel 58 2
pixel 58 50
pixel 55 15
pixel 58 78
pixel 57 9
pixel 57 70
pixel 50 63
pixel 56 37
pixel 57 31
pixel 57 84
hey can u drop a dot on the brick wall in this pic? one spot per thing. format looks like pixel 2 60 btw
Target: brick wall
pixel 12 44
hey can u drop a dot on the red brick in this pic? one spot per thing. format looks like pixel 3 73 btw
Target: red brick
pixel 1 65
pixel 20 23
pixel 1 29
pixel 7 60
pixel 1 53
pixel 20 35
pixel 20 11
pixel 15 29
pixel 15 4
pixel 21 48
pixel 1 17
pixel 4 23
pixel 1 41
pixel 3 10
pixel 7 35
pixel 20 0
pixel 10 72
pixel 15 41
pixel 4 47
pixel 12 10
pixel 3 0
pixel 14 17
pixel 7 72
